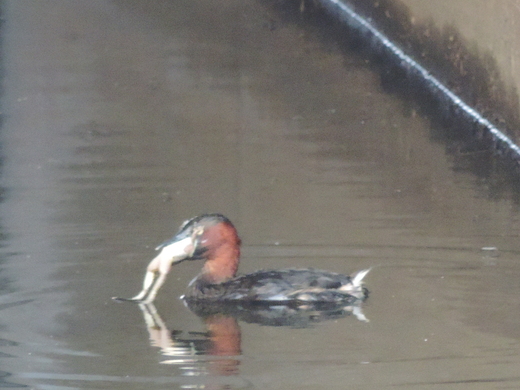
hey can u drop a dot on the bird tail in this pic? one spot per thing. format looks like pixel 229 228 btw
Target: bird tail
pixel 357 280
pixel 355 287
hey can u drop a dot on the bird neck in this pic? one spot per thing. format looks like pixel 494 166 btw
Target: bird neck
pixel 222 264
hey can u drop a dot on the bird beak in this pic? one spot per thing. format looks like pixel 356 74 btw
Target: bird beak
pixel 174 251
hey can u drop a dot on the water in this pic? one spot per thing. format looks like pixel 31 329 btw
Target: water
pixel 124 118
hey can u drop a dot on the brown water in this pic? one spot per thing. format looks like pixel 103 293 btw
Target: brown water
pixel 123 118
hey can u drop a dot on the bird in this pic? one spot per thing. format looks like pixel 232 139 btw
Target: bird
pixel 214 239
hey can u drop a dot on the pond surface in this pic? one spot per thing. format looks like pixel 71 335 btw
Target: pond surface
pixel 123 118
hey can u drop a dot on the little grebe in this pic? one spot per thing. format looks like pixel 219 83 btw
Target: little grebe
pixel 212 237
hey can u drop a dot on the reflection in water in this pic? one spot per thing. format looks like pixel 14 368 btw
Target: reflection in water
pixel 217 352
pixel 221 340
pixel 214 353
pixel 4 382
pixel 8 385
pixel 293 315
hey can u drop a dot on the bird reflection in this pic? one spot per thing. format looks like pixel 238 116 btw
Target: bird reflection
pixel 292 315
pixel 217 351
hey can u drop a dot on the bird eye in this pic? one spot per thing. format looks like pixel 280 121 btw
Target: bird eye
pixel 197 232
